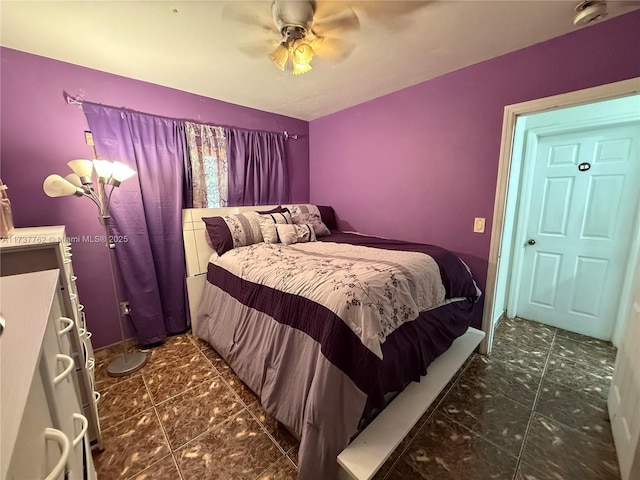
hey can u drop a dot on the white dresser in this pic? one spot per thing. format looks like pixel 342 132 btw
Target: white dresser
pixel 35 249
pixel 43 432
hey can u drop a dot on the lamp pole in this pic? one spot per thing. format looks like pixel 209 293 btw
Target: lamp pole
pixel 127 363
pixel 80 184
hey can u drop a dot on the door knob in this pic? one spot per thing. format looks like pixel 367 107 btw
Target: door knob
pixel 531 241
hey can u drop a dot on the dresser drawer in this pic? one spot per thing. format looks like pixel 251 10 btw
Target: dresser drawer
pixel 38 453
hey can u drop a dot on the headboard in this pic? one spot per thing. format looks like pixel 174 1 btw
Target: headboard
pixel 196 250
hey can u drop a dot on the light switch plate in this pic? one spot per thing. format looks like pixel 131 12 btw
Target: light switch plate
pixel 478 225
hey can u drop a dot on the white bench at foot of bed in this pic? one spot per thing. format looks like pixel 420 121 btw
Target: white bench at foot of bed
pixel 368 452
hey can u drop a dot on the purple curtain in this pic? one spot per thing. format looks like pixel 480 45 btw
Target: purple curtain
pixel 147 209
pixel 257 167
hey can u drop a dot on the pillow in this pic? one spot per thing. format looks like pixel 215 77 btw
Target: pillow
pixel 326 214
pixel 277 209
pixel 289 234
pixel 313 219
pixel 233 231
pixel 268 225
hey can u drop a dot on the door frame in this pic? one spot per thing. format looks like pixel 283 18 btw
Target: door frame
pixel 511 113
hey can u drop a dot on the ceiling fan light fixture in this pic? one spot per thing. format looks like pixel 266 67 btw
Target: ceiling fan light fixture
pixel 280 56
pixel 300 69
pixel 302 52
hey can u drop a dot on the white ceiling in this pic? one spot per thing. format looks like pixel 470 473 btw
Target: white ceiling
pixel 196 46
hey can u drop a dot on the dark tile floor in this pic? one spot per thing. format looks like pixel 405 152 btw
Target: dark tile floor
pixel 183 414
pixel 536 409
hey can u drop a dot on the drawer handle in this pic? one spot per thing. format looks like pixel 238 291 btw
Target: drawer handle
pixel 67 260
pixel 73 278
pixel 68 369
pixel 73 296
pixel 80 307
pixel 68 328
pixel 96 396
pixel 63 441
pixel 83 431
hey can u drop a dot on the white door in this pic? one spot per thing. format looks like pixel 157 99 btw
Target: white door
pixel 624 395
pixel 579 223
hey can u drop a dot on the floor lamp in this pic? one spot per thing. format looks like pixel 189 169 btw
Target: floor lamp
pixel 109 175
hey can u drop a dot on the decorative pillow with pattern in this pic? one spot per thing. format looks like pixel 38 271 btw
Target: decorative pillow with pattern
pixel 326 213
pixel 268 224
pixel 233 231
pixel 313 219
pixel 300 233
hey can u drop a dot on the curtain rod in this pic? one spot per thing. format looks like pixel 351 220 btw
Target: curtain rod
pixel 75 101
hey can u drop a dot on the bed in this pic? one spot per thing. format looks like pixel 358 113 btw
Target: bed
pixel 325 332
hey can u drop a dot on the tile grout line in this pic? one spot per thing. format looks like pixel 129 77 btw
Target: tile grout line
pixel 172 450
pixel 245 406
pixel 164 432
pixel 481 436
pixel 148 368
pixel 257 477
pixel 427 419
pixel 153 404
pixel 208 429
pixel 264 429
pixel 533 407
pixel 200 435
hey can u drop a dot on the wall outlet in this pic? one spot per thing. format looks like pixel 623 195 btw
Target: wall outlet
pixel 478 225
pixel 125 309
pixel 88 137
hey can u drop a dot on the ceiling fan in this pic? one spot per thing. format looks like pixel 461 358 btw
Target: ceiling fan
pixel 306 28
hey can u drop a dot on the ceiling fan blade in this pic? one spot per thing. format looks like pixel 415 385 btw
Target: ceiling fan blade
pixel 240 14
pixel 258 49
pixel 330 16
pixel 391 14
pixel 332 48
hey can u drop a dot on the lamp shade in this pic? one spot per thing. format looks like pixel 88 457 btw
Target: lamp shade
pixel 279 56
pixel 104 168
pixel 121 172
pixel 74 179
pixel 82 168
pixel 298 69
pixel 302 52
pixel 56 186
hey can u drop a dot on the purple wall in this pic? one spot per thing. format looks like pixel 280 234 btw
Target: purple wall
pixel 419 164
pixel 40 133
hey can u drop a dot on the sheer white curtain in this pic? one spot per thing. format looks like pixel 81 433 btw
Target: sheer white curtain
pixel 209 165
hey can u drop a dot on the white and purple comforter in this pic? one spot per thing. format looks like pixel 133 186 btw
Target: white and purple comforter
pixel 321 331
